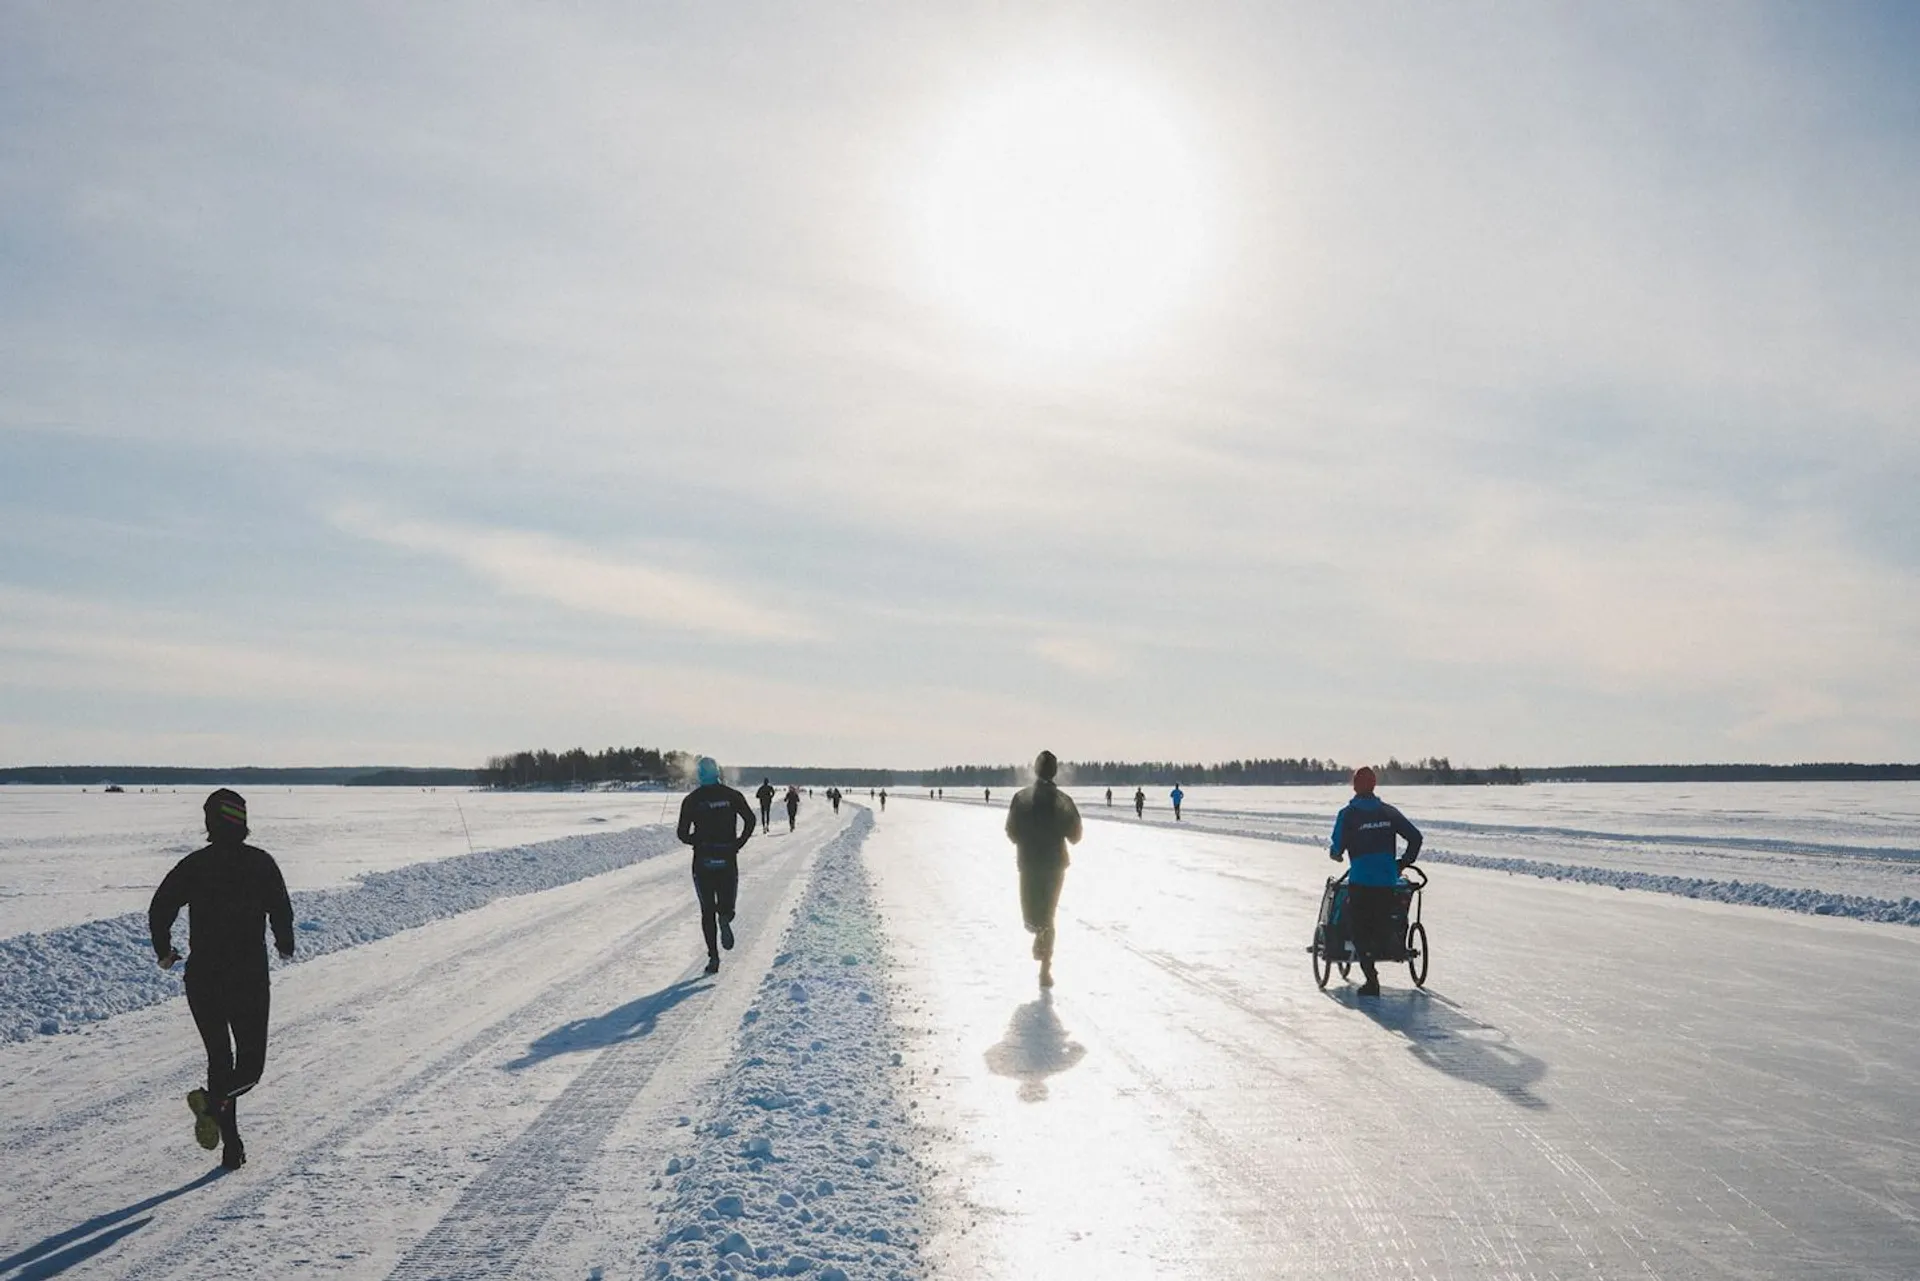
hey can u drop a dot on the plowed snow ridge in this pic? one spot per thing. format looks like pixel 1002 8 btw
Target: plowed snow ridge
pixel 799 1168
pixel 59 980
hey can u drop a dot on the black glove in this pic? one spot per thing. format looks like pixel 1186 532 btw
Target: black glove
pixel 286 953
pixel 1335 856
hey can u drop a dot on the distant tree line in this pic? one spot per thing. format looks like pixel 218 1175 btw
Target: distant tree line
pixel 1438 771
pixel 1278 771
pixel 1275 771
pixel 648 765
pixel 821 776
pixel 240 776
pixel 542 768
pixel 1811 772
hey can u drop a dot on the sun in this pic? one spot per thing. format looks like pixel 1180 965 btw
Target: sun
pixel 1063 212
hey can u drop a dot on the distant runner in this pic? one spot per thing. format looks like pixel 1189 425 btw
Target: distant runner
pixel 986 794
pixel 1041 822
pixel 883 800
pixel 233 893
pixel 1177 796
pixel 1365 832
pixel 710 819
pixel 1139 802
pixel 793 807
pixel 764 793
pixel 1109 798
pixel 833 798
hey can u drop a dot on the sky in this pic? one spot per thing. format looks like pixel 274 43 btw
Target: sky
pixel 902 385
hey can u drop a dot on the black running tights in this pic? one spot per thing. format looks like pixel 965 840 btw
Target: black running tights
pixel 232 1018
pixel 716 887
pixel 1040 893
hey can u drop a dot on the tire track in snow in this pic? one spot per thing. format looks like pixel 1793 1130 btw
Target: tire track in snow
pixel 500 1214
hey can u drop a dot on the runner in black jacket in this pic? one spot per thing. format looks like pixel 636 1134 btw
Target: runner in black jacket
pixel 1041 822
pixel 765 796
pixel 234 891
pixel 716 820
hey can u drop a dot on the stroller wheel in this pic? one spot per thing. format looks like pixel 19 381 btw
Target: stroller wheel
pixel 1417 954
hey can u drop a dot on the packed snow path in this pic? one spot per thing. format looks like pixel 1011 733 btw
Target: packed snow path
pixel 495 1094
pixel 1595 1083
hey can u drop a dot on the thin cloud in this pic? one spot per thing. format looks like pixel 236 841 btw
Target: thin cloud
pixel 1081 657
pixel 547 568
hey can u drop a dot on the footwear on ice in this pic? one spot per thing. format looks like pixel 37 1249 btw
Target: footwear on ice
pixel 206 1127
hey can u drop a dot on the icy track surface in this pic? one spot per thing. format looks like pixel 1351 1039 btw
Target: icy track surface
pixel 1595 1085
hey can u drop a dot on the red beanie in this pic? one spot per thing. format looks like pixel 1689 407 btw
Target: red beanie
pixel 1364 780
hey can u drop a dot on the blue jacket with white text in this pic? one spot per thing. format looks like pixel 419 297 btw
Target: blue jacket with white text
pixel 1365 831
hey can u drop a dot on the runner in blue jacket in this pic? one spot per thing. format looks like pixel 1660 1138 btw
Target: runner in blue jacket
pixel 1365 832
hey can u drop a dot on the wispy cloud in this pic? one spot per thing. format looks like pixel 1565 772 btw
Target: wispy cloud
pixel 1079 656
pixel 50 641
pixel 547 568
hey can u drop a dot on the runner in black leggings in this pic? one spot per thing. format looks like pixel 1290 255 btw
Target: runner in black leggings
pixel 233 892
pixel 716 820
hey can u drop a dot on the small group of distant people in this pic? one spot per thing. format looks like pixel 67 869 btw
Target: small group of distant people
pixel 765 794
pixel 1140 801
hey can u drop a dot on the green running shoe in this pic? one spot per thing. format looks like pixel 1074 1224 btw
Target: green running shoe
pixel 206 1127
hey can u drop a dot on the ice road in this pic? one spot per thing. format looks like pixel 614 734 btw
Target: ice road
pixel 1596 1083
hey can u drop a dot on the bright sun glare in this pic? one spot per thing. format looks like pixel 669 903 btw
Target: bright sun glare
pixel 1063 213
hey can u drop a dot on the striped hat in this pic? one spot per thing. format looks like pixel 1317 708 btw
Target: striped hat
pixel 226 809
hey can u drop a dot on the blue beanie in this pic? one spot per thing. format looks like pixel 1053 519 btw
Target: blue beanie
pixel 707 770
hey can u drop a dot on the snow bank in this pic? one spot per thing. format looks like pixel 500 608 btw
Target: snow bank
pixel 1813 901
pixel 57 981
pixel 1905 911
pixel 801 1169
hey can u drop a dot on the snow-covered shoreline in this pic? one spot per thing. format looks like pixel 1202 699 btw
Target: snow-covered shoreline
pixel 1811 900
pixel 1904 911
pixel 66 978
pixel 799 1169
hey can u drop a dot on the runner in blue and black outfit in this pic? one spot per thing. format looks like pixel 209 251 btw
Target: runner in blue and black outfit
pixel 1365 832
pixel 716 820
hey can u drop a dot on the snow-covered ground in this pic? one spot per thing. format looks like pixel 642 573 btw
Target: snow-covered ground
pixel 1850 849
pixel 82 973
pixel 68 856
pixel 1595 1084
